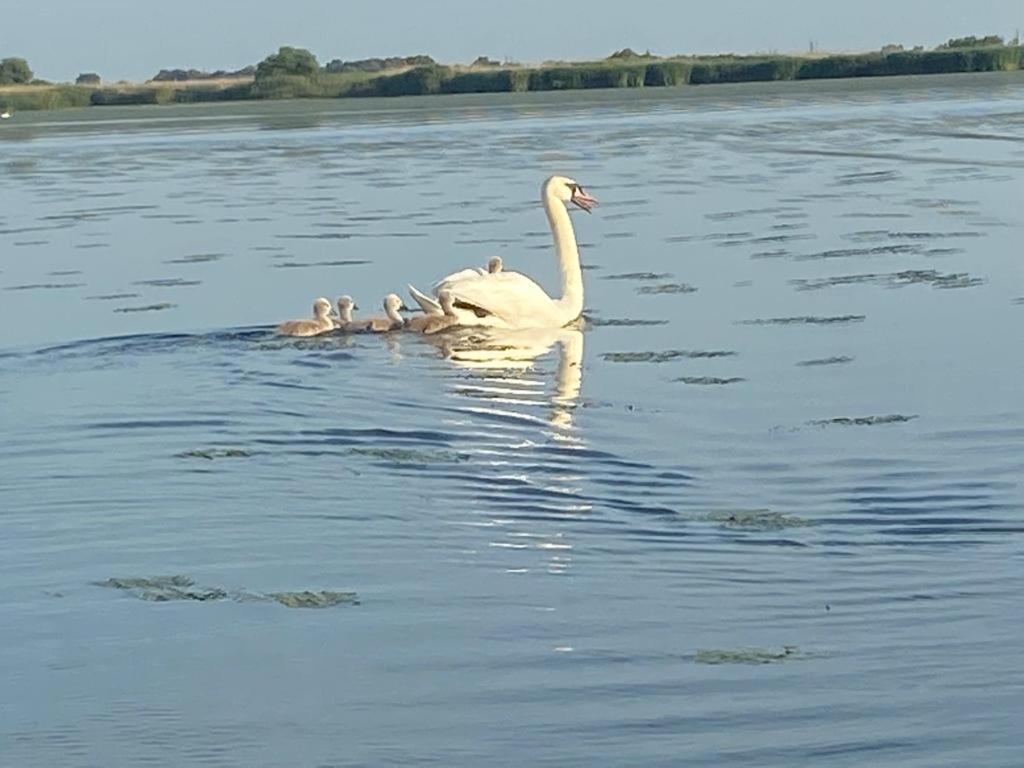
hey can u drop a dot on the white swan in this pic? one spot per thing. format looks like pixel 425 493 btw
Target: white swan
pixel 503 299
pixel 320 323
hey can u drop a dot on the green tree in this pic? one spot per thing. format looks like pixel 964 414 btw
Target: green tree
pixel 87 78
pixel 288 61
pixel 14 70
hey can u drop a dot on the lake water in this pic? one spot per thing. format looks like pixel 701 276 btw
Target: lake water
pixel 765 509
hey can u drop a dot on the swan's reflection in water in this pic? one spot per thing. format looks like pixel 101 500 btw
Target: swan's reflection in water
pixel 527 454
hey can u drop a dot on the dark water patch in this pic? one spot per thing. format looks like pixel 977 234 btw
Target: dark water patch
pixel 726 215
pixel 764 240
pixel 875 215
pixel 665 356
pixel 613 322
pixel 618 235
pixel 667 288
pixel 862 421
pixel 708 380
pixel 411 455
pixel 158 307
pixel 331 263
pixel 846 253
pixel 876 235
pixel 869 177
pixel 941 251
pixel 893 280
pixel 197 258
pixel 42 286
pixel 214 453
pixel 776 254
pixel 750 656
pixel 112 296
pixel 320 236
pixel 26 243
pixel 835 360
pixel 1019 301
pixel 64 272
pixel 264 248
pixel 90 246
pixel 168 282
pixel 638 276
pixel 807 320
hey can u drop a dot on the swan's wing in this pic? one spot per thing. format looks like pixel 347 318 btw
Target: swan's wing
pixel 511 296
pixel 470 273
pixel 429 304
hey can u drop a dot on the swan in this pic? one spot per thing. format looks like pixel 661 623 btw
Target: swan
pixel 429 324
pixel 494 265
pixel 511 299
pixel 6 114
pixel 391 321
pixel 320 323
pixel 344 321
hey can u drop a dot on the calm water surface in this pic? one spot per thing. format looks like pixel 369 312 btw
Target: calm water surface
pixel 765 509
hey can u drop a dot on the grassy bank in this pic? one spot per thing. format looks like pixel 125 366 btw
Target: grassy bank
pixel 619 72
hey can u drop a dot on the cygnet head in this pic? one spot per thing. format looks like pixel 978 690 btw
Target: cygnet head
pixel 392 304
pixel 345 307
pixel 494 264
pixel 321 308
pixel 447 301
pixel 568 191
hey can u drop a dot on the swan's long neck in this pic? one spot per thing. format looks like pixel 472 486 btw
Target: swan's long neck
pixel 571 302
pixel 392 313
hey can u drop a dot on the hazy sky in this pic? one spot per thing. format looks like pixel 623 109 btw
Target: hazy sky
pixel 133 39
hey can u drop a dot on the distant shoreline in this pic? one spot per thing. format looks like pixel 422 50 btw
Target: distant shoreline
pixel 623 70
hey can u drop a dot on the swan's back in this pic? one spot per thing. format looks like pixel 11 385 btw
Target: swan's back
pixel 512 297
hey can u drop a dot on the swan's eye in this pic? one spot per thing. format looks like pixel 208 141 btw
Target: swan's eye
pixel 573 187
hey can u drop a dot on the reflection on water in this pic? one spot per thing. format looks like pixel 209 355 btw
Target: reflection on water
pixel 762 508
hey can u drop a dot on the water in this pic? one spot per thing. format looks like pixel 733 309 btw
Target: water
pixel 765 509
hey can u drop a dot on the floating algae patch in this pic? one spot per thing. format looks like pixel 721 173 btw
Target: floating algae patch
pixel 834 360
pixel 667 288
pixel 749 655
pixel 862 421
pixel 807 320
pixel 756 520
pixel 709 380
pixel 164 588
pixel 410 456
pixel 321 599
pixel 159 306
pixel 598 322
pixel 214 453
pixel 664 357
pixel 638 276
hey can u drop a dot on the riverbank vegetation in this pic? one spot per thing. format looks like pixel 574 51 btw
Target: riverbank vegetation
pixel 295 73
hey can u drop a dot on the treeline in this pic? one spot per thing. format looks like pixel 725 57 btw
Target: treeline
pixel 295 73
pixel 639 72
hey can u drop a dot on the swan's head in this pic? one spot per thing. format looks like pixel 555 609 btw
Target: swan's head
pixel 569 191
pixel 393 303
pixel 494 264
pixel 321 308
pixel 447 301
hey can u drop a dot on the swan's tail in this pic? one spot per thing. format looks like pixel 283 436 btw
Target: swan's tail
pixel 429 304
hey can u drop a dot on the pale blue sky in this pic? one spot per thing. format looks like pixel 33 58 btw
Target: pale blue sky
pixel 133 39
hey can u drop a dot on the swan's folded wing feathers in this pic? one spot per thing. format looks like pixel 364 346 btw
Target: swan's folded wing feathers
pixel 510 296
